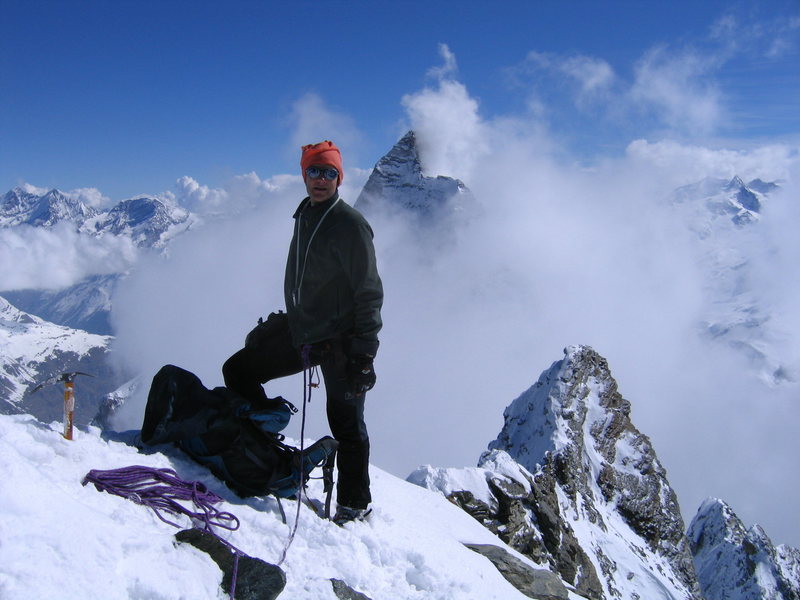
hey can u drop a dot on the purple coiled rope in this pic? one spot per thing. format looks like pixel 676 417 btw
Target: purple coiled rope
pixel 161 490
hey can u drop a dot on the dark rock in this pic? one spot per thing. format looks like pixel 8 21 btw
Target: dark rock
pixel 255 579
pixel 539 584
pixel 345 592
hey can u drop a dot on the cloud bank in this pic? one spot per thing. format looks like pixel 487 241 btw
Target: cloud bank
pixel 558 254
pixel 36 258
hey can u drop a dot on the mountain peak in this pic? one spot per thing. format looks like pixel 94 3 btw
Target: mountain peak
pixel 736 562
pixel 735 184
pixel 147 220
pixel 397 184
pixel 571 482
pixel 23 207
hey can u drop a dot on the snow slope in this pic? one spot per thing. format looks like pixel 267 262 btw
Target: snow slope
pixel 60 540
pixel 29 344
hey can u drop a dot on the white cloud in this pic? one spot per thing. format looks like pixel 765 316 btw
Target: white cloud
pixel 592 74
pixel 90 197
pixel 589 76
pixel 32 257
pixel 199 198
pixel 448 69
pixel 449 131
pixel 32 189
pixel 680 89
pixel 772 38
pixel 687 163
pixel 312 121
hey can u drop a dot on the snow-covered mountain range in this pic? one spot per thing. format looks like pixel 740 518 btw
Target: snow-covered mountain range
pixel 722 213
pixel 569 501
pixel 144 222
pixel 47 331
pixel 147 221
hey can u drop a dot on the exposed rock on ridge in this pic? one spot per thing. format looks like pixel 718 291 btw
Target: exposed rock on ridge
pixel 571 483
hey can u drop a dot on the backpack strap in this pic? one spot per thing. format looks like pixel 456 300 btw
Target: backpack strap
pixel 327 481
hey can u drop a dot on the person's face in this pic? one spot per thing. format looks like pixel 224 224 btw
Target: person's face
pixel 319 188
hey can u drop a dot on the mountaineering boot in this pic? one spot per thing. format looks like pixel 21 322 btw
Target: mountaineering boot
pixel 345 514
pixel 255 578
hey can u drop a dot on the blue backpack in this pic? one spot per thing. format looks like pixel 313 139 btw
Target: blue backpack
pixel 238 441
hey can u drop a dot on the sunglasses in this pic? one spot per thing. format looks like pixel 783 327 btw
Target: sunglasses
pixel 328 173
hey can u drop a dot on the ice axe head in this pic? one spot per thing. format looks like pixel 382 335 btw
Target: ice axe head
pixel 65 377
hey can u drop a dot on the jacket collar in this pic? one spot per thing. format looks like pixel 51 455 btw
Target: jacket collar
pixel 321 206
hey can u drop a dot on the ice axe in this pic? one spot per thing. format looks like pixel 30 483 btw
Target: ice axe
pixel 69 397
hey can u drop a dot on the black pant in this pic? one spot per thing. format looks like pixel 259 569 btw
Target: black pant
pixel 271 356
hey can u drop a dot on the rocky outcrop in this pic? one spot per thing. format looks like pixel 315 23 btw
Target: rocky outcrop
pixel 539 584
pixel 734 562
pixel 345 592
pixel 571 483
pixel 249 577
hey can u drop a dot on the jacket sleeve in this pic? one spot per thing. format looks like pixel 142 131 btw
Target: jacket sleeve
pixel 362 270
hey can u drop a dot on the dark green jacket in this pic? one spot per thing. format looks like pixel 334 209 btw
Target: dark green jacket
pixel 332 286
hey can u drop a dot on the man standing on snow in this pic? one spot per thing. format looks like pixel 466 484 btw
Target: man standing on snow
pixel 333 299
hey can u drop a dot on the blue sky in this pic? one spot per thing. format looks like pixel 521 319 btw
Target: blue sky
pixel 127 97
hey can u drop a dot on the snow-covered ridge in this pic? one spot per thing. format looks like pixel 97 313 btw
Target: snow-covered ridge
pixel 739 563
pixel 713 199
pixel 26 340
pixel 68 541
pixel 572 484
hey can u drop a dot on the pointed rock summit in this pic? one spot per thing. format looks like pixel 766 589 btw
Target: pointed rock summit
pixel 736 563
pixel 572 484
pixel 397 185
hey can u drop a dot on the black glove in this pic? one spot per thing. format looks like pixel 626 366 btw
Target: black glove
pixel 360 373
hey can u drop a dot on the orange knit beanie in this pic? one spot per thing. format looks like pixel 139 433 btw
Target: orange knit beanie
pixel 323 153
